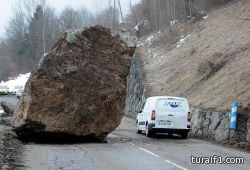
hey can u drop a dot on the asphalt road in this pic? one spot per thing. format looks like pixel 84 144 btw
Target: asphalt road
pixel 127 150
pixel 9 98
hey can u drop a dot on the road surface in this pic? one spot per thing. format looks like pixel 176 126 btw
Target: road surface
pixel 9 98
pixel 127 150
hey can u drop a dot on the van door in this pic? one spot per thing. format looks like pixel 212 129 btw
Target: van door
pixel 171 113
pixel 142 116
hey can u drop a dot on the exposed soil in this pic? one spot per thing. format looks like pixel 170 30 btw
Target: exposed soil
pixel 10 146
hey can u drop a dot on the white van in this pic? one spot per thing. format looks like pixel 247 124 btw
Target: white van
pixel 164 114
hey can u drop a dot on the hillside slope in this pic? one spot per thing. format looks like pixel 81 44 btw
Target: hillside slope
pixel 212 67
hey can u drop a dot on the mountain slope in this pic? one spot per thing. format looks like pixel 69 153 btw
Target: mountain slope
pixel 212 67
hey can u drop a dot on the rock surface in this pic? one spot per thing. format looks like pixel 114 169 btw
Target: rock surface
pixel 7 107
pixel 78 88
pixel 135 88
pixel 215 126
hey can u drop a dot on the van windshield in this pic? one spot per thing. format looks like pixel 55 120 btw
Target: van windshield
pixel 167 105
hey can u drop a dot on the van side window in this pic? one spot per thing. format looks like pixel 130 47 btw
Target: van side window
pixel 143 105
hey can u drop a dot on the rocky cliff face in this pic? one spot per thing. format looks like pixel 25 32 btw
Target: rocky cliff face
pixel 215 125
pixel 135 87
pixel 78 89
pixel 212 125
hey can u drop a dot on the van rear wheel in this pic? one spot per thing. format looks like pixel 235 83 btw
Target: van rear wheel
pixel 149 131
pixel 184 135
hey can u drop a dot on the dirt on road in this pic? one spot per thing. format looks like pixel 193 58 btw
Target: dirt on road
pixel 10 146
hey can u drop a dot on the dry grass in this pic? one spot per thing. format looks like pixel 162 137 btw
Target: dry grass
pixel 212 68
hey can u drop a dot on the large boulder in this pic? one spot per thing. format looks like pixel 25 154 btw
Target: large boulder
pixel 78 87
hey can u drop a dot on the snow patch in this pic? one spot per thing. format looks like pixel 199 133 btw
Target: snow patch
pixel 149 39
pixel 136 28
pixel 182 40
pixel 20 80
pixel 174 22
pixel 140 25
pixel 205 17
pixel 140 43
pixel 1 111
pixel 152 38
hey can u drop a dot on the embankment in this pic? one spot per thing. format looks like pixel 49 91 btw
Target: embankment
pixel 210 66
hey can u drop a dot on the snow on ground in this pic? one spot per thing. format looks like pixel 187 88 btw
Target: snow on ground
pixel 172 23
pixel 139 44
pixel 1 111
pixel 18 81
pixel 136 28
pixel 153 37
pixel 140 25
pixel 205 17
pixel 182 40
pixel 149 39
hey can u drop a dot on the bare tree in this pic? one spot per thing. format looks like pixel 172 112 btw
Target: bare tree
pixel 108 16
pixel 69 19
pixel 120 10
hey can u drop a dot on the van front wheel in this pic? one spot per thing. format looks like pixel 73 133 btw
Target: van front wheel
pixel 149 131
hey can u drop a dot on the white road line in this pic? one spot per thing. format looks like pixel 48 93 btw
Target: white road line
pixel 174 164
pixel 155 155
pixel 151 153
